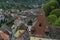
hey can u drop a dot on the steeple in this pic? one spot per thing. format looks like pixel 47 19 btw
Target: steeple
pixel 39 29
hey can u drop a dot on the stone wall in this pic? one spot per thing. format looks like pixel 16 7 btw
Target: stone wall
pixel 55 32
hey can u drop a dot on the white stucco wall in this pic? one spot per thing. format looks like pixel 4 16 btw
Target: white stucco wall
pixel 38 38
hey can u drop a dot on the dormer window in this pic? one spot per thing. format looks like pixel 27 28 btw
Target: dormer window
pixel 47 33
pixel 30 22
pixel 32 31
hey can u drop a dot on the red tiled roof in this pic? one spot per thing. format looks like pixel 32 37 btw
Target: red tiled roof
pixel 4 36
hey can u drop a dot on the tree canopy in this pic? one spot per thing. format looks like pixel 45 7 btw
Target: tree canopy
pixel 57 22
pixel 50 6
pixel 56 12
pixel 51 19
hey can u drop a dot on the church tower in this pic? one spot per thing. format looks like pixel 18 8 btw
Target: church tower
pixel 39 29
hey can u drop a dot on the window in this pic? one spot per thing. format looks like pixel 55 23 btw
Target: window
pixel 30 22
pixel 47 33
pixel 2 39
pixel 32 31
pixel 40 25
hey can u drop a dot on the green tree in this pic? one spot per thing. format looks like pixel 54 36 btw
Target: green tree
pixel 51 19
pixel 58 1
pixel 18 6
pixel 10 23
pixel 50 6
pixel 56 12
pixel 57 23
